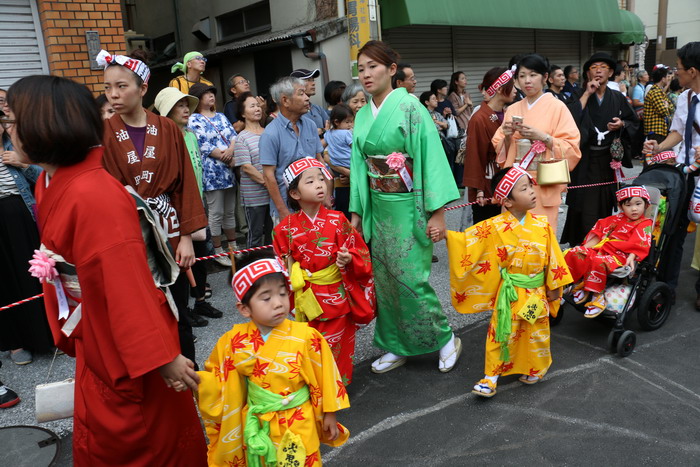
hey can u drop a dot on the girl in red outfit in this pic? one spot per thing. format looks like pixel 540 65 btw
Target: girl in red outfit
pixel 615 241
pixel 331 270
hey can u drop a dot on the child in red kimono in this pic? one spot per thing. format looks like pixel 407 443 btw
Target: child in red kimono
pixel 618 240
pixel 329 263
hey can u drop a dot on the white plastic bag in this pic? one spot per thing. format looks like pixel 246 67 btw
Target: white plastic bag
pixel 452 129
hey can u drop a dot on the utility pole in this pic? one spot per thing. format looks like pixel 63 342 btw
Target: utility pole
pixel 661 30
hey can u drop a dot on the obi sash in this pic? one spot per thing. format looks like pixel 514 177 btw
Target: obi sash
pixel 506 296
pixel 257 432
pixel 385 179
pixel 306 305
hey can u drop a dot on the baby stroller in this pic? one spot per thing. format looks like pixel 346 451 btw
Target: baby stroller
pixel 646 294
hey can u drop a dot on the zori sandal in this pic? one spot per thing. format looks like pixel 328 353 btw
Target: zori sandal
pixel 525 379
pixel 484 388
pixel 386 363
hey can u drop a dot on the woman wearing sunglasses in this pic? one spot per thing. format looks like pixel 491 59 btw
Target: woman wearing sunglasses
pixel 192 67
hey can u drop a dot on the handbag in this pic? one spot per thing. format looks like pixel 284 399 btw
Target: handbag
pixel 617 150
pixel 54 401
pixel 553 172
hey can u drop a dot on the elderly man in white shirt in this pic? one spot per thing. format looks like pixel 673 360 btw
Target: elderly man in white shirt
pixel 685 129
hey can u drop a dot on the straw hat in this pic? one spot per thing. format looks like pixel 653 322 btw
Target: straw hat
pixel 168 97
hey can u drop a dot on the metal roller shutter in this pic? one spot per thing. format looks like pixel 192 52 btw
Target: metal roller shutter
pixel 21 42
pixel 427 48
pixel 477 50
pixel 561 47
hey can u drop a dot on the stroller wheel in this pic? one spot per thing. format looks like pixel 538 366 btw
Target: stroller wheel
pixel 655 306
pixel 626 343
pixel 613 337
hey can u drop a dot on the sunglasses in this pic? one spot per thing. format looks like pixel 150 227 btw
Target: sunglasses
pixel 199 57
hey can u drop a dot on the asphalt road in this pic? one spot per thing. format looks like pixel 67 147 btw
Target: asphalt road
pixel 593 408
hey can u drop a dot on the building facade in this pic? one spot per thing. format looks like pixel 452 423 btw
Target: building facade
pixel 51 36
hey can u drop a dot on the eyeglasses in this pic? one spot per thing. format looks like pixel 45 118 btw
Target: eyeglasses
pixel 6 122
pixel 599 67
pixel 199 57
pixel 243 81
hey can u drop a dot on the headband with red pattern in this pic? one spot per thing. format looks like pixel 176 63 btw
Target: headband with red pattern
pixel 245 277
pixel 104 59
pixel 632 192
pixel 662 157
pixel 502 80
pixel 296 168
pixel 505 186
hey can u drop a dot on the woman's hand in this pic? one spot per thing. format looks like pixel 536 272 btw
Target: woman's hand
pixel 356 221
pixel 532 133
pixel 13 159
pixel 330 426
pixel 227 155
pixel 185 252
pixel 436 226
pixel 508 129
pixel 179 374
pixel 344 257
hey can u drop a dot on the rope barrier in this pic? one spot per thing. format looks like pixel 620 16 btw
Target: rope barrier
pixel 218 255
pixel 568 188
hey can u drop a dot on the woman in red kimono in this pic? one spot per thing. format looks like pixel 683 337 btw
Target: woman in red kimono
pixel 132 406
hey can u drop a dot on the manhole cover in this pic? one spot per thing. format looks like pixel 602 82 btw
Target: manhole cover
pixel 28 445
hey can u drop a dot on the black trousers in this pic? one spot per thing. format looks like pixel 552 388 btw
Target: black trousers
pixel 181 291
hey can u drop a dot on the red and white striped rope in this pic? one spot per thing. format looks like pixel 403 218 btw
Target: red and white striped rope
pixel 218 255
pixel 21 301
pixel 226 253
pixel 569 188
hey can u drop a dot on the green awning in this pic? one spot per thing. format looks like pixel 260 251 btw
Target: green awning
pixel 632 31
pixel 572 15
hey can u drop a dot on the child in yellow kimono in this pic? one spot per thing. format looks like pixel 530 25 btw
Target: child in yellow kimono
pixel 511 264
pixel 271 388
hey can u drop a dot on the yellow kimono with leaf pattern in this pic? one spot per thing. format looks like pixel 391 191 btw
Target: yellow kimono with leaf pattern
pixel 477 256
pixel 294 355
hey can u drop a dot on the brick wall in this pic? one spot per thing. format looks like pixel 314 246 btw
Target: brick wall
pixel 64 22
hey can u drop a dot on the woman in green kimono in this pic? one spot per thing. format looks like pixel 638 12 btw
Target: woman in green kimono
pixel 400 182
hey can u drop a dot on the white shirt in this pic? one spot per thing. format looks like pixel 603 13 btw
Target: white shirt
pixel 678 124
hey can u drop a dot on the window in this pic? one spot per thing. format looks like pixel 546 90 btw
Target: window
pixel 244 22
pixel 650 54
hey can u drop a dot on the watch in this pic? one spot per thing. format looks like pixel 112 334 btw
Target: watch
pixel 547 139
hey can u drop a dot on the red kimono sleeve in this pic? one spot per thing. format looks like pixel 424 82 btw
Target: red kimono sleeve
pixel 358 279
pixel 125 315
